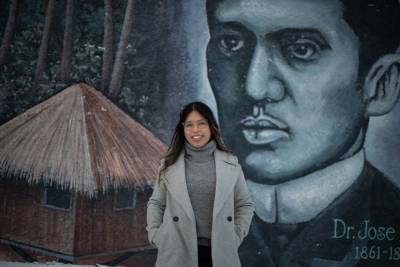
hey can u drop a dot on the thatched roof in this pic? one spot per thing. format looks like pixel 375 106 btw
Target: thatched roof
pixel 79 140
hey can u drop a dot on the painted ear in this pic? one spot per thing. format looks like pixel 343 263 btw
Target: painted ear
pixel 382 85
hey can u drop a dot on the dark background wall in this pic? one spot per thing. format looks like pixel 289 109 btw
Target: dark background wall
pixel 164 64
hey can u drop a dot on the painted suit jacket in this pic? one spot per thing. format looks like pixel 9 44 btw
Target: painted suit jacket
pixel 360 228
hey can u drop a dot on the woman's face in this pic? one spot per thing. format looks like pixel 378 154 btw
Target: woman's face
pixel 196 129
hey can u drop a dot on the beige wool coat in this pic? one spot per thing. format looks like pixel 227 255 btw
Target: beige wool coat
pixel 171 223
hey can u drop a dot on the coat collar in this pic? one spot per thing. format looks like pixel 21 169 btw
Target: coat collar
pixel 314 243
pixel 226 176
pixel 176 184
pixel 226 169
pixel 302 199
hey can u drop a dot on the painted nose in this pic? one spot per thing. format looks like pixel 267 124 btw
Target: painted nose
pixel 262 82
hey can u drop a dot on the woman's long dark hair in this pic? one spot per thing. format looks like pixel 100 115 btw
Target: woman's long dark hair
pixel 178 139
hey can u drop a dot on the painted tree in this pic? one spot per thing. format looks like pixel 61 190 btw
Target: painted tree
pixel 107 45
pixel 9 31
pixel 44 44
pixel 67 43
pixel 118 68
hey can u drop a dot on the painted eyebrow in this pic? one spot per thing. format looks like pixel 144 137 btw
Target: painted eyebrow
pixel 234 26
pixel 298 33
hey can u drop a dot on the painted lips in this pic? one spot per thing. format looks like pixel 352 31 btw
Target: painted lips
pixel 263 130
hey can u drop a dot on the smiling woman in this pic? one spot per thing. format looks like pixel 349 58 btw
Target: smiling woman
pixel 200 209
pixel 196 129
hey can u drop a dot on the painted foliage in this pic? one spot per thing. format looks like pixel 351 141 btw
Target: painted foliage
pixel 306 93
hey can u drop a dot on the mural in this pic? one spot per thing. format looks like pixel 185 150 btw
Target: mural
pixel 295 84
pixel 306 92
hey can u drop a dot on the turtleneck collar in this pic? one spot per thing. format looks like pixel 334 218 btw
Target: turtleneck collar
pixel 202 154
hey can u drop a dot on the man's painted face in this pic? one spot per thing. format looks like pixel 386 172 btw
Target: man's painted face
pixel 284 73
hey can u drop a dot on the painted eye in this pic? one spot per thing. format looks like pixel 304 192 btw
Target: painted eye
pixel 303 49
pixel 230 45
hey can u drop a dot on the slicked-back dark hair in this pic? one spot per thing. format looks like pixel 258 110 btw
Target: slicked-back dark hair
pixel 377 25
pixel 178 138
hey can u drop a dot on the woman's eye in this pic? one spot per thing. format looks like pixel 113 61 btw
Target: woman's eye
pixel 303 49
pixel 230 45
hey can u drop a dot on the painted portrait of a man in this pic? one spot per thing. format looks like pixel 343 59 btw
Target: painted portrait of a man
pixel 295 84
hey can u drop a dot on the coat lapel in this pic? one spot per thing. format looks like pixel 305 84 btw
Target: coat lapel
pixel 176 185
pixel 314 245
pixel 226 175
pixel 315 240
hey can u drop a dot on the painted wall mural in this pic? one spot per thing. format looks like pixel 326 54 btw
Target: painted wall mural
pixel 296 83
pixel 306 93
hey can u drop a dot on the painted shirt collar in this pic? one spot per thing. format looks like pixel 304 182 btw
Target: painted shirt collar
pixel 302 199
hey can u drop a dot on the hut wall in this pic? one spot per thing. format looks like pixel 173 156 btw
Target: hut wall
pixel 24 218
pixel 102 229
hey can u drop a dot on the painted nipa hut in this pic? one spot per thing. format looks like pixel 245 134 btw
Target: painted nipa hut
pixel 75 175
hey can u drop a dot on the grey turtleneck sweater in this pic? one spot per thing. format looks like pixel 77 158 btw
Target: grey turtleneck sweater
pixel 200 182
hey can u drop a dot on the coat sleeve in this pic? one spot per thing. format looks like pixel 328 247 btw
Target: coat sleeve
pixel 244 208
pixel 155 210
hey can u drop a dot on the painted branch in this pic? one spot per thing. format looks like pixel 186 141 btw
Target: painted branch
pixel 41 63
pixel 107 45
pixel 118 69
pixel 9 31
pixel 66 56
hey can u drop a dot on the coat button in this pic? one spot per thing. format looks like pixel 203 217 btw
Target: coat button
pixel 229 218
pixel 176 218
